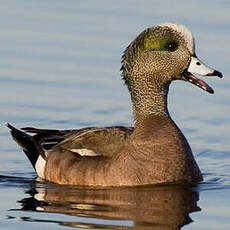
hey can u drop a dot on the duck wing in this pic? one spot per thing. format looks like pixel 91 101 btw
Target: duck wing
pixel 95 141
pixel 48 138
pixel 91 141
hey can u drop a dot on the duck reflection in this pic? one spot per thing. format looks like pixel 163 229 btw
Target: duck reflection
pixel 162 207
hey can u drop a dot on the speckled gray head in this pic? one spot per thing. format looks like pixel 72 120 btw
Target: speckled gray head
pixel 161 54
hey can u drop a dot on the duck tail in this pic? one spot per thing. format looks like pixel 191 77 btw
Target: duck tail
pixel 31 148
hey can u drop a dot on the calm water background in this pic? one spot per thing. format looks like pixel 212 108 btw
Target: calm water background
pixel 59 68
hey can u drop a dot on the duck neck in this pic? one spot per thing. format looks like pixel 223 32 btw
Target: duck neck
pixel 150 100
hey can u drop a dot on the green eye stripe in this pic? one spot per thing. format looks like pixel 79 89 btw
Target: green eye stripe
pixel 153 44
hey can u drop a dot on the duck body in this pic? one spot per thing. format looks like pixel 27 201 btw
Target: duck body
pixel 114 156
pixel 154 151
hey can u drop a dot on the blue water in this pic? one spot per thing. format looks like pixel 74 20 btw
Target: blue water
pixel 59 68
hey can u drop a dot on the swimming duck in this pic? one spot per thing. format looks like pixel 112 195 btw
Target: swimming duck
pixel 154 151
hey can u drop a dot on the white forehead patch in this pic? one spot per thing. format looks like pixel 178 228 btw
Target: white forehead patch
pixel 184 31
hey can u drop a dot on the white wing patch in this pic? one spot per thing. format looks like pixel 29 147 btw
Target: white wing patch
pixel 85 152
pixel 40 166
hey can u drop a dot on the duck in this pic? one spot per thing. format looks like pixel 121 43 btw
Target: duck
pixel 154 150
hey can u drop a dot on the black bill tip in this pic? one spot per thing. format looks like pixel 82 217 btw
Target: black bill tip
pixel 210 90
pixel 216 73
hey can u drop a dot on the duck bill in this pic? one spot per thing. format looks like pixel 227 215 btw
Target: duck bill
pixel 198 67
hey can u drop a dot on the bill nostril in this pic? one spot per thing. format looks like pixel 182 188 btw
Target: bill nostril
pixel 198 63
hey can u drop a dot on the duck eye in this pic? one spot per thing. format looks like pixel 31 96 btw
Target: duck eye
pixel 172 46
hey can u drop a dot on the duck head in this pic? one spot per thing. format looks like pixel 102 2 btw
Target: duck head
pixel 158 56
